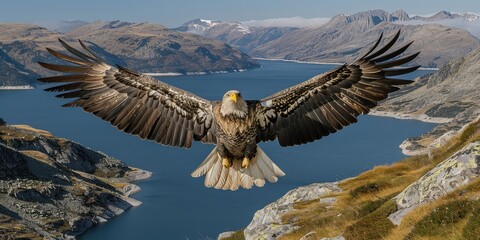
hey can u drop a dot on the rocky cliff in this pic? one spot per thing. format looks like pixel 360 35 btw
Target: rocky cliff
pixel 53 188
pixel 13 73
pixel 432 196
pixel 450 94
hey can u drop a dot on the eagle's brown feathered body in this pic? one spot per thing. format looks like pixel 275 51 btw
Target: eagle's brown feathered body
pixel 237 135
pixel 144 106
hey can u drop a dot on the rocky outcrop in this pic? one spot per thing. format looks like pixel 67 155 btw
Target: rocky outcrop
pixel 53 188
pixel 456 171
pixel 445 93
pixel 449 94
pixel 225 235
pixel 13 73
pixel 267 223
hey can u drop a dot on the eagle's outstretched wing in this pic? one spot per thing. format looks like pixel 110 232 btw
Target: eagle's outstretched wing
pixel 327 102
pixel 133 102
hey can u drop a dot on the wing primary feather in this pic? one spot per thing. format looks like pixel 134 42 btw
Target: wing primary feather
pixel 384 48
pixel 65 87
pixel 392 54
pixel 68 58
pixel 64 68
pixel 90 51
pixel 400 71
pixel 393 81
pixel 76 52
pixel 374 46
pixel 76 103
pixel 399 61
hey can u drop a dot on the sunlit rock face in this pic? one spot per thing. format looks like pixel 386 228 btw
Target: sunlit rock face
pixel 458 170
pixel 53 188
pixel 267 223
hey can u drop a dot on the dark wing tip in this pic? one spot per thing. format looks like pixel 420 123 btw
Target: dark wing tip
pixel 400 71
pixel 61 41
pixel 127 70
pixel 42 80
pixel 43 64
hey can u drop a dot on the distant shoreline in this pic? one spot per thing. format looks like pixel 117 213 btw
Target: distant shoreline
pixel 296 61
pixel 320 63
pixel 175 74
pixel 21 87
pixel 404 116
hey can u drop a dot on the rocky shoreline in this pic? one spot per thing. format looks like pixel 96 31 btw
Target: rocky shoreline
pixel 53 188
pixel 23 87
pixel 404 116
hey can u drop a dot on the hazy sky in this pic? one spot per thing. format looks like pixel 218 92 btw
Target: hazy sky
pixel 173 13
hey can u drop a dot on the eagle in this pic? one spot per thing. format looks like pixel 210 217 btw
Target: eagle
pixel 151 109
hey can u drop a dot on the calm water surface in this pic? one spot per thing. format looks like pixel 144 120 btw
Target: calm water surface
pixel 177 206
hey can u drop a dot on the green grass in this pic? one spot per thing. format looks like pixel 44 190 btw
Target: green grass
pixel 375 225
pixel 472 228
pixel 443 220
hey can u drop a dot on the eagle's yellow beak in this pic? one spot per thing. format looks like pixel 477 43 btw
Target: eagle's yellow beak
pixel 233 97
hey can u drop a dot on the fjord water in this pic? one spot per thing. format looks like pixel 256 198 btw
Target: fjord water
pixel 177 206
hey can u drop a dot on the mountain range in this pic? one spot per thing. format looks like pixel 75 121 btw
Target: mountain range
pixel 144 47
pixel 210 46
pixel 340 38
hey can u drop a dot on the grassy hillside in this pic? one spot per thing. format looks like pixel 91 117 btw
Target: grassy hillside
pixel 362 208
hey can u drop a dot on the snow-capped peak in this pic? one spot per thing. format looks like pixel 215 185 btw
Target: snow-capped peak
pixel 209 22
pixel 471 17
pixel 205 27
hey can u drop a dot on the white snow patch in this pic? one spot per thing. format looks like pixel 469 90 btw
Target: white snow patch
pixel 209 22
pixel 243 29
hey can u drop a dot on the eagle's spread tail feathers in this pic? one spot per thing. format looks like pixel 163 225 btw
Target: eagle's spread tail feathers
pixel 232 178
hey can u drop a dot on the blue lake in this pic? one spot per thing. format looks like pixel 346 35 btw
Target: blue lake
pixel 177 206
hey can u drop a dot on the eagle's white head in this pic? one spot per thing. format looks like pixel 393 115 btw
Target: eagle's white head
pixel 233 104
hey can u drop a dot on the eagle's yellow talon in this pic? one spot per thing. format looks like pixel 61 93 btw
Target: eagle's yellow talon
pixel 245 162
pixel 227 162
